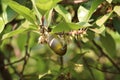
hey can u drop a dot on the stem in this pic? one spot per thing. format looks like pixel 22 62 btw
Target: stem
pixel 61 62
pixel 39 16
pixel 107 56
pixel 26 57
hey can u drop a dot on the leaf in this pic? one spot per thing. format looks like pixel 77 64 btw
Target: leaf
pixel 103 19
pixel 99 30
pixel 108 44
pixel 94 6
pixel 109 1
pixel 82 14
pixel 9 15
pixel 24 27
pixel 98 74
pixel 1 24
pixel 117 10
pixel 62 11
pixel 39 15
pixel 56 1
pixel 22 10
pixel 48 17
pixel 78 57
pixel 116 24
pixel 44 5
pixel 66 27
pixel 12 33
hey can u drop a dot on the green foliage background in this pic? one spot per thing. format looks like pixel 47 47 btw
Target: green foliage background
pixel 92 55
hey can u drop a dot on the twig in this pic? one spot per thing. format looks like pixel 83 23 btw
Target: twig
pixel 109 58
pixel 11 63
pixel 26 57
pixel 103 70
pixel 86 63
pixel 15 71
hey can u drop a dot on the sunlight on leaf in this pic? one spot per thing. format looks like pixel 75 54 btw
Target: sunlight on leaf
pixel 94 6
pixel 109 1
pixel 103 19
pixel 82 14
pixel 117 10
pixel 1 24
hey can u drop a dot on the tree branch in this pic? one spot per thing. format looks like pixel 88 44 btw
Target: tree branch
pixel 86 63
pixel 103 70
pixel 109 58
pixel 26 57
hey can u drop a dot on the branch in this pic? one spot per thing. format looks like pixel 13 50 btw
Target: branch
pixel 109 58
pixel 91 72
pixel 26 57
pixel 103 70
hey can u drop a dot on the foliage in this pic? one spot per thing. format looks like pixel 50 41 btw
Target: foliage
pixel 90 28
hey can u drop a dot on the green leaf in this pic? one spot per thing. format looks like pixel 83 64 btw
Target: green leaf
pixel 22 10
pixel 56 1
pixel 39 15
pixel 24 27
pixel 82 14
pixel 98 74
pixel 12 33
pixel 66 27
pixel 103 19
pixel 109 1
pixel 94 6
pixel 1 24
pixel 78 57
pixel 116 24
pixel 9 15
pixel 62 11
pixel 48 17
pixel 108 44
pixel 117 10
pixel 21 40
pixel 44 5
pixel 99 30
